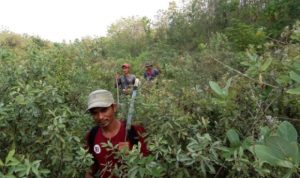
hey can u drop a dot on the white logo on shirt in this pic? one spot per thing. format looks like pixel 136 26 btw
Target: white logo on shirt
pixel 97 149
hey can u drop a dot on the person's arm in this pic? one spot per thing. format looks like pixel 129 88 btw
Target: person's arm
pixel 156 72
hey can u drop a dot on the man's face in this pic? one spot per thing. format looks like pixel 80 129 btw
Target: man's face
pixel 103 116
pixel 125 70
pixel 148 68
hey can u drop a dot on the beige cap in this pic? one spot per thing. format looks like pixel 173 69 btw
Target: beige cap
pixel 100 98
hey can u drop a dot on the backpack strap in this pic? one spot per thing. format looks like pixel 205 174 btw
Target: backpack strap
pixel 91 139
pixel 132 135
pixel 124 81
pixel 92 136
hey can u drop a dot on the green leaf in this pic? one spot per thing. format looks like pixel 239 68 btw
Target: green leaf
pixel 252 57
pixel 247 143
pixel 288 175
pixel 216 88
pixel 296 66
pixel 20 169
pixel 285 150
pixel 156 172
pixel 132 172
pixel 264 132
pixel 212 170
pixel 13 162
pixel 202 166
pixel 44 171
pixel 245 63
pixel 35 171
pixel 294 76
pixel 20 100
pixel 295 91
pixel 296 35
pixel 233 137
pixel 266 64
pixel 295 155
pixel 286 164
pixel 227 85
pixel 287 131
pixel 9 176
pixel 283 79
pixel 142 172
pixel 266 154
pixel 9 156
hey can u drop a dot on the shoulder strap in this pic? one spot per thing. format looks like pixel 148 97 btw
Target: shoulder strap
pixel 123 81
pixel 91 140
pixel 92 136
pixel 132 135
pixel 133 80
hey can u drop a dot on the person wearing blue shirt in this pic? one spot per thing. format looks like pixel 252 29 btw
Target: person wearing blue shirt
pixel 150 72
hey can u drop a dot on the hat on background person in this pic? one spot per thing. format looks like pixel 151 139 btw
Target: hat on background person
pixel 100 98
pixel 148 64
pixel 125 65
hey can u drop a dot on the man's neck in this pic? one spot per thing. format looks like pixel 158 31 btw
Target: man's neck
pixel 112 129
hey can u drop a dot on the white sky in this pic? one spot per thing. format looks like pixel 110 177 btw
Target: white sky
pixel 58 20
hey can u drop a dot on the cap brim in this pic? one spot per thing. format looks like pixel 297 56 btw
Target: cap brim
pixel 99 105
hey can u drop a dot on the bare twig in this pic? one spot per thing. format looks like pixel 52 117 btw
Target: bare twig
pixel 242 74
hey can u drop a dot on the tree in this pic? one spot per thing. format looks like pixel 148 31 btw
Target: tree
pixel 128 37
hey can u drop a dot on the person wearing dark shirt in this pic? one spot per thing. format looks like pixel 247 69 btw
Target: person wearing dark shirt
pixel 125 81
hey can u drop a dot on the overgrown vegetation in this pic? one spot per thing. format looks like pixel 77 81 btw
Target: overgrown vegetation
pixel 225 105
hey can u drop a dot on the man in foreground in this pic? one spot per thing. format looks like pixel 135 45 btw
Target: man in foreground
pixel 103 109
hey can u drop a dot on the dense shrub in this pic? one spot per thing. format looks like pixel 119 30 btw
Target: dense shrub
pixel 212 112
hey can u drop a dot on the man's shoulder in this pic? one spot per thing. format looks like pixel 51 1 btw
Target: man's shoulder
pixel 121 78
pixel 132 75
pixel 156 70
pixel 91 132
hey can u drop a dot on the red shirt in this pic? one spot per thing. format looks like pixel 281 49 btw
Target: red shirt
pixel 104 158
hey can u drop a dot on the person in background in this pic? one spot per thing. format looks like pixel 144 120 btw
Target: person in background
pixel 108 128
pixel 125 85
pixel 150 72
pixel 126 81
